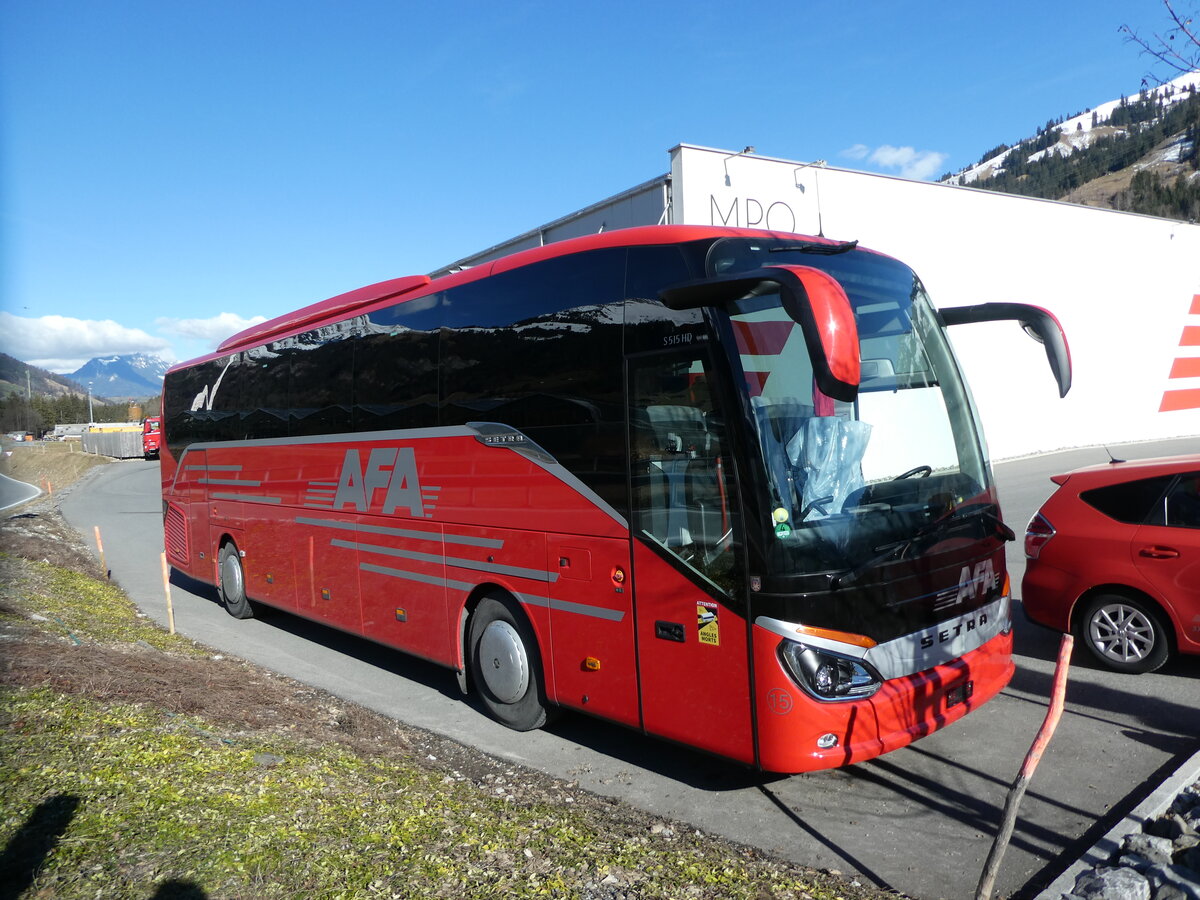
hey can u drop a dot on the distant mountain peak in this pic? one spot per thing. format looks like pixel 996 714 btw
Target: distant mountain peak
pixel 124 376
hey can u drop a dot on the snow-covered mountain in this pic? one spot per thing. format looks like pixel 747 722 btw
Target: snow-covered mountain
pixel 136 375
pixel 1081 131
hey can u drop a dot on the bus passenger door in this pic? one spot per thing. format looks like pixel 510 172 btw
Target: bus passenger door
pixel 693 656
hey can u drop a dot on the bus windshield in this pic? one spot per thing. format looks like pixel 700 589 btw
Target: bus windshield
pixel 855 484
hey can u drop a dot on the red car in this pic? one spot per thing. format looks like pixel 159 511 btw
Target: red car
pixel 1114 556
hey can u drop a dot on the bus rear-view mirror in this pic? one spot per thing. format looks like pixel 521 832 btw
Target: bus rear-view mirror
pixel 1038 323
pixel 812 298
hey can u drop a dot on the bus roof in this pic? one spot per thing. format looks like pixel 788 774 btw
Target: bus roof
pixel 341 306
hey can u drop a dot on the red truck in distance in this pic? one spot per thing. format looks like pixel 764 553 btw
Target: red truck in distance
pixel 151 436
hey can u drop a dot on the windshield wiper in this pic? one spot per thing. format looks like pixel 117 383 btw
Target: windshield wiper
pixel 897 549
pixel 830 249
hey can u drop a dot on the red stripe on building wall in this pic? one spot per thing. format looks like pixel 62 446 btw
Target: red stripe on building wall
pixel 1186 367
pixel 1176 400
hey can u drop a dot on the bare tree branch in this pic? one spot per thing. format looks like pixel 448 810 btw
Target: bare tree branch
pixel 1177 48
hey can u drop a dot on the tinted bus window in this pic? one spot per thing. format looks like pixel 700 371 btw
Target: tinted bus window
pixel 321 365
pixel 539 349
pixel 396 366
pixel 263 393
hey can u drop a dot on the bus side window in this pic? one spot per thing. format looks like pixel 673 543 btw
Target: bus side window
pixel 681 489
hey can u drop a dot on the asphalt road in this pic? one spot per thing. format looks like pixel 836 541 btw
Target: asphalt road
pixel 920 820
pixel 13 492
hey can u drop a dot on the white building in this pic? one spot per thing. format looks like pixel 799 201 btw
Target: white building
pixel 1125 287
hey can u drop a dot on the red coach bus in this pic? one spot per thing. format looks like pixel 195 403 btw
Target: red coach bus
pixel 725 487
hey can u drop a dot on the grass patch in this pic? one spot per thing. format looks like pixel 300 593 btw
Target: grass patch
pixel 139 765
pixel 156 799
pixel 82 607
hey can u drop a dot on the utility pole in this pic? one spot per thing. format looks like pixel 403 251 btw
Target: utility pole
pixel 91 419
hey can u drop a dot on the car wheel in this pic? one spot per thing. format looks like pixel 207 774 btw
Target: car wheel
pixel 1124 633
pixel 231 583
pixel 505 665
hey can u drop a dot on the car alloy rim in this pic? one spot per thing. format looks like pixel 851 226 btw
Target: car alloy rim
pixel 503 663
pixel 1121 633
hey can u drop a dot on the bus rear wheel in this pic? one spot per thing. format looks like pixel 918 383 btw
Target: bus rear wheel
pixel 231 582
pixel 505 665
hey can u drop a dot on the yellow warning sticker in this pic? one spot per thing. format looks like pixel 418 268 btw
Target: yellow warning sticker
pixel 708 627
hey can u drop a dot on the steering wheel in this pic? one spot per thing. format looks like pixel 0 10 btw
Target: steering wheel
pixel 923 471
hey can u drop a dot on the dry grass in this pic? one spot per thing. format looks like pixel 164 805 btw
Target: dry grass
pixel 50 465
pixel 141 764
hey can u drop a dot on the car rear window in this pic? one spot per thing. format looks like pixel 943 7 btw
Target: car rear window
pixel 1132 501
pixel 1183 503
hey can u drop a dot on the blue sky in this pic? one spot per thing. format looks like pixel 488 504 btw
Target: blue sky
pixel 170 170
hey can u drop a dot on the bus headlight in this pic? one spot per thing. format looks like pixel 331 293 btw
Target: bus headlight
pixel 827 675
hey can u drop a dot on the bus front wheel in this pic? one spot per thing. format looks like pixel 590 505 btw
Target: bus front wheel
pixel 231 582
pixel 506 666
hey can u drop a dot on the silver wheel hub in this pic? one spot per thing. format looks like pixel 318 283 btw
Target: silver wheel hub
pixel 1121 633
pixel 231 576
pixel 503 662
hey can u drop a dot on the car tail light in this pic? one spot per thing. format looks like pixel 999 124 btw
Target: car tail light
pixel 1037 535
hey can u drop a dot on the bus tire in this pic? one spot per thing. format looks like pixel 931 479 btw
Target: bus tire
pixel 231 582
pixel 506 667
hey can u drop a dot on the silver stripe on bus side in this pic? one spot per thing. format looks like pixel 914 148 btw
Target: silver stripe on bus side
pixel 466 540
pixel 435 580
pixel 196 467
pixel 583 609
pixel 229 481
pixel 274 501
pixel 453 562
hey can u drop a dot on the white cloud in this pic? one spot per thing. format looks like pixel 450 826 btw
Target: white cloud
pixel 63 343
pixel 858 151
pixel 920 165
pixel 212 330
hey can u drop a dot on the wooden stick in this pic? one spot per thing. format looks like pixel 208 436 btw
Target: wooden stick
pixel 1058 693
pixel 166 570
pixel 100 547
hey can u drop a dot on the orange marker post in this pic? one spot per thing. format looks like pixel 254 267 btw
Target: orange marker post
pixel 100 547
pixel 166 572
pixel 1058 694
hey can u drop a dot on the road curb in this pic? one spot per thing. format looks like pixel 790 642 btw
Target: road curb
pixel 1101 852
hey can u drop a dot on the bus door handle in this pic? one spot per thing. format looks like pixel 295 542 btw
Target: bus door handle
pixel 669 631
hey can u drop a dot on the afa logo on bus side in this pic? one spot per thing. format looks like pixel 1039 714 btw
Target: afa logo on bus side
pixel 392 470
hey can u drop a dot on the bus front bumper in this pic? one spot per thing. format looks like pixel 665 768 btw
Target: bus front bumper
pixel 800 734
